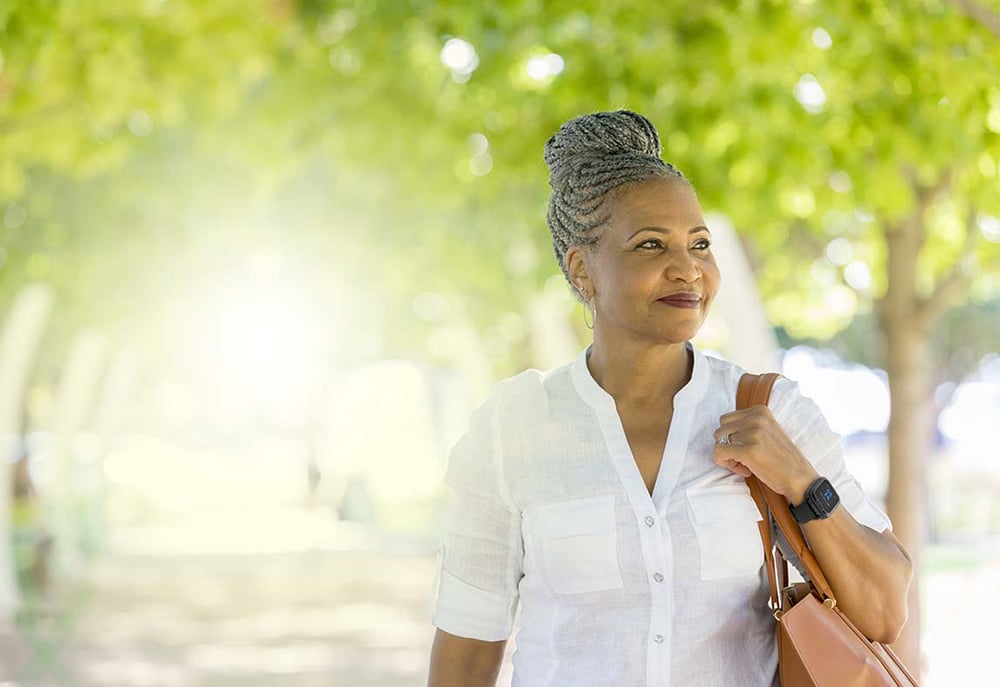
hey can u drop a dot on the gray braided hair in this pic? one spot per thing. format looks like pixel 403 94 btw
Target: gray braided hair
pixel 590 157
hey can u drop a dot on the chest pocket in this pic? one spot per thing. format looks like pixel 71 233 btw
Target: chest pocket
pixel 725 524
pixel 578 545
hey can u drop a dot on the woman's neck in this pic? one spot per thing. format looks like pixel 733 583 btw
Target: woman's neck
pixel 640 373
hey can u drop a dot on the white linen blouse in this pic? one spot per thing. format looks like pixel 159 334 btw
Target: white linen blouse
pixel 617 587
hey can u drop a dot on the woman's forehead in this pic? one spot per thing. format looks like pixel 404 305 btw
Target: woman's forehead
pixel 665 204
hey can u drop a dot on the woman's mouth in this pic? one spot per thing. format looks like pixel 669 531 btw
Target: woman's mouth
pixel 682 300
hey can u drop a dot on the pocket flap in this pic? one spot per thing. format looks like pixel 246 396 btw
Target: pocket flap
pixel 577 517
pixel 730 502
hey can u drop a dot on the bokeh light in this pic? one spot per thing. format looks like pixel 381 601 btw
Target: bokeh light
pixel 260 261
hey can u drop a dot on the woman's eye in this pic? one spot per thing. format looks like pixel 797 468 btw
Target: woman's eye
pixel 703 244
pixel 650 244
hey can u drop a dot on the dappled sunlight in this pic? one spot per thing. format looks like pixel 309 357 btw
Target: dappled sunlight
pixel 261 261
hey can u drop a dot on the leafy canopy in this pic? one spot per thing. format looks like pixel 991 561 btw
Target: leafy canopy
pixel 141 136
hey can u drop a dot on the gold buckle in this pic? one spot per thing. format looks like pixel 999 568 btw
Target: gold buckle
pixel 829 603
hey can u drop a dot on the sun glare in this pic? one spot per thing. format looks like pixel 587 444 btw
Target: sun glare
pixel 256 348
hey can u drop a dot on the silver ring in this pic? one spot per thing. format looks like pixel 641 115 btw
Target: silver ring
pixel 724 441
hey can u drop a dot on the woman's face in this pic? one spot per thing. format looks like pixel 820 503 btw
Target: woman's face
pixel 652 274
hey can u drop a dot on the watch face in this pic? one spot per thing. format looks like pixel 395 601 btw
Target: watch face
pixel 820 502
pixel 826 496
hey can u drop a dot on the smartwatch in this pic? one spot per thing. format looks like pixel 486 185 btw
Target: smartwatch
pixel 820 501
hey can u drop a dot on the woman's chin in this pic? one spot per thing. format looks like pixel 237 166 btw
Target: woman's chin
pixel 677 332
pixel 656 333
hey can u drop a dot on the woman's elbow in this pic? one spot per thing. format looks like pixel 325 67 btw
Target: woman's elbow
pixel 896 610
pixel 891 626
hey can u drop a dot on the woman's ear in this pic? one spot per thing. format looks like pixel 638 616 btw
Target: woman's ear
pixel 576 267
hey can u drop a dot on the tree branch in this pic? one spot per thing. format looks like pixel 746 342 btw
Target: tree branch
pixel 981 15
pixel 926 194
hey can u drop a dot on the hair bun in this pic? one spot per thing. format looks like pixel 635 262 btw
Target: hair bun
pixel 588 158
pixel 599 135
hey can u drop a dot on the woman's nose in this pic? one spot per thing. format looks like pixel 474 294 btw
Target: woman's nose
pixel 683 267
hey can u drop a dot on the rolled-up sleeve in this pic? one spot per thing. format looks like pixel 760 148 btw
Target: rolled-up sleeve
pixel 805 424
pixel 480 559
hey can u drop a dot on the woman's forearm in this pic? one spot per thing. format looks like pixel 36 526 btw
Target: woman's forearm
pixel 461 662
pixel 868 571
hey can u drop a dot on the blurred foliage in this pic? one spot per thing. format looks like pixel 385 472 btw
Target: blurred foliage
pixel 147 143
pixel 966 334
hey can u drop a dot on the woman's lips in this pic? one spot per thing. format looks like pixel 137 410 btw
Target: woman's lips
pixel 685 301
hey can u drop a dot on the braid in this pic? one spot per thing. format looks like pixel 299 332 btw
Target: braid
pixel 588 158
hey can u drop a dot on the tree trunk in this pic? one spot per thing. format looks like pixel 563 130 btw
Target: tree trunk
pixel 22 332
pixel 71 414
pixel 906 339
pixel 910 436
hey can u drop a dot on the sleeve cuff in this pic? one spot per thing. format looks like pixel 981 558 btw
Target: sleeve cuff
pixel 861 508
pixel 465 611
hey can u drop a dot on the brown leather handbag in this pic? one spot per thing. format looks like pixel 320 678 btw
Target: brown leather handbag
pixel 818 646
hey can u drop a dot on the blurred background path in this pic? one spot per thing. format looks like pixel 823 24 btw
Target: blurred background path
pixel 321 617
pixel 333 616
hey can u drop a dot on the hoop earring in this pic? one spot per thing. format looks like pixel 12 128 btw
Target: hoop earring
pixel 593 313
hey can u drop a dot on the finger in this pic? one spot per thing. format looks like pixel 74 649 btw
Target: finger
pixel 726 436
pixel 733 416
pixel 732 422
pixel 740 469
pixel 726 427
pixel 733 466
pixel 747 415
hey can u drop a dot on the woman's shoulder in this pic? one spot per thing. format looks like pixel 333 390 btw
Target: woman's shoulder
pixel 528 394
pixel 719 365
pixel 526 386
pixel 724 375
pixel 532 377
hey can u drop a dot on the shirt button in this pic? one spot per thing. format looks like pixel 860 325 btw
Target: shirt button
pixel 658 577
pixel 658 639
pixel 650 521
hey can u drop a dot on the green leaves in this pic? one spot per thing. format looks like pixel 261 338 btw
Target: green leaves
pixel 792 118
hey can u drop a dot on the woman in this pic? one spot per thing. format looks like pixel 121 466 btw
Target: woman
pixel 607 496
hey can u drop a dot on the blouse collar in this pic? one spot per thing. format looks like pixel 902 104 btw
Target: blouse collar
pixel 599 399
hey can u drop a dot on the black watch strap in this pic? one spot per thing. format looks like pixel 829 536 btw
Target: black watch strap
pixel 820 501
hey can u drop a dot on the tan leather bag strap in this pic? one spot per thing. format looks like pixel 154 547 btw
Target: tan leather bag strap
pixel 764 525
pixel 755 390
